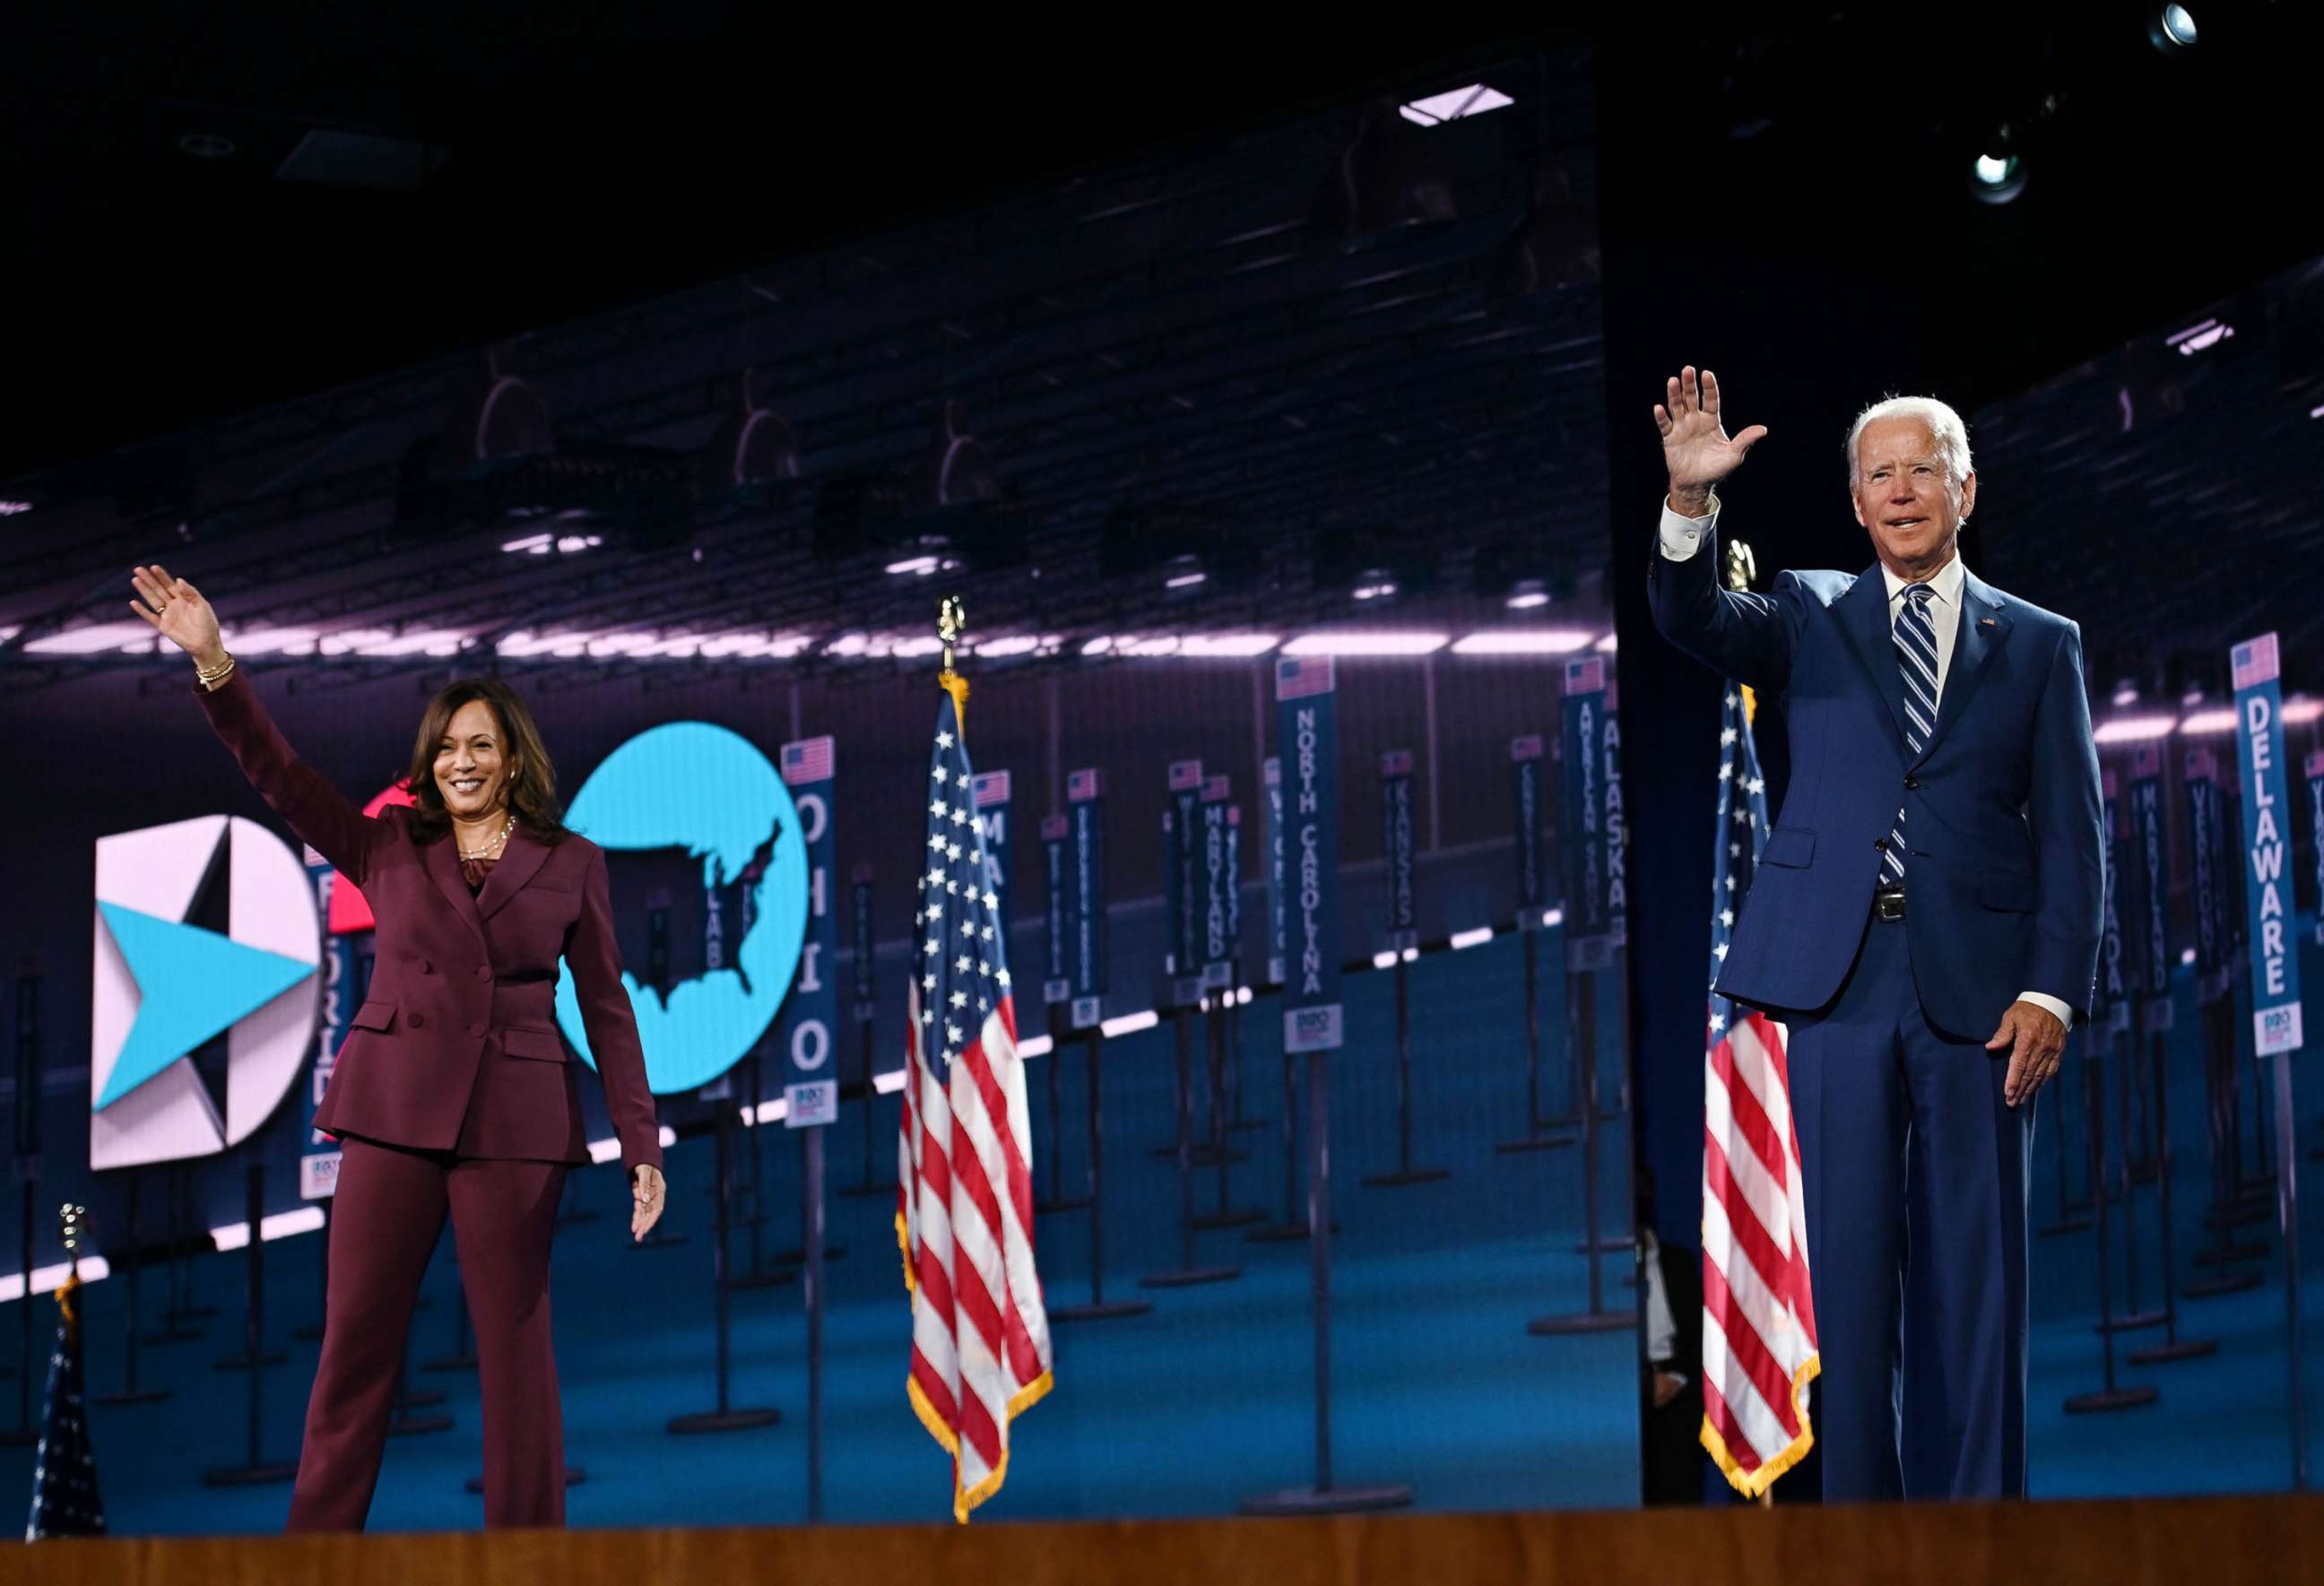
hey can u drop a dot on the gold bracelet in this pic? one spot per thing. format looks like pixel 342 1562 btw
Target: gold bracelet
pixel 211 678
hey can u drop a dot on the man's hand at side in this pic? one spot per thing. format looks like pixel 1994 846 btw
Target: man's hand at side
pixel 2036 1041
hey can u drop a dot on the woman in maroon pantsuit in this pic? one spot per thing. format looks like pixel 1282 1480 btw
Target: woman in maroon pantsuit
pixel 453 1091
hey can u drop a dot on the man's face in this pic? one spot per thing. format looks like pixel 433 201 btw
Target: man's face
pixel 1905 498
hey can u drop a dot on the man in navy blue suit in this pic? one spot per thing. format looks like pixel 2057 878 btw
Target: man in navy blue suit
pixel 1925 916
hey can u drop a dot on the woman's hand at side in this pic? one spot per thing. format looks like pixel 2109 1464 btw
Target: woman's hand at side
pixel 649 1195
pixel 176 610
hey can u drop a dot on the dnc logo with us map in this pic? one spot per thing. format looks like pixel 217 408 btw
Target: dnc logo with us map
pixel 703 793
pixel 204 988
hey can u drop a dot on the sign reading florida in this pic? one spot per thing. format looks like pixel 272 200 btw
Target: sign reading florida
pixel 702 794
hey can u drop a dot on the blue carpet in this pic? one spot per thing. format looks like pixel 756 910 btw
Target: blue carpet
pixel 1209 1398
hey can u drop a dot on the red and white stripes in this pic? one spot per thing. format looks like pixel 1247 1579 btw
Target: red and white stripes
pixel 980 1332
pixel 1758 1315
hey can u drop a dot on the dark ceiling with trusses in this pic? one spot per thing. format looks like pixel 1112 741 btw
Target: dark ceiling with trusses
pixel 1119 258
pixel 1233 387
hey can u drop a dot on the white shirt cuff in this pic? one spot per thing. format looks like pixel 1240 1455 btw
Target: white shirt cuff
pixel 1681 536
pixel 2049 1004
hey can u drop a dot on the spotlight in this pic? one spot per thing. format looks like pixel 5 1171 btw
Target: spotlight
pixel 1997 175
pixel 2171 29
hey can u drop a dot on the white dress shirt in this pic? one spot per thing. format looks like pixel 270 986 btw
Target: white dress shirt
pixel 1662 1325
pixel 1682 537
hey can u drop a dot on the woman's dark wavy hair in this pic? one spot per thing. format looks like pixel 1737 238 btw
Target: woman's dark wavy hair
pixel 532 782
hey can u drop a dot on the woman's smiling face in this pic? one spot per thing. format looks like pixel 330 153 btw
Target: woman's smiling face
pixel 472 764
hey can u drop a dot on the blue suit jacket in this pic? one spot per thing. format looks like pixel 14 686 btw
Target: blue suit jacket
pixel 2004 875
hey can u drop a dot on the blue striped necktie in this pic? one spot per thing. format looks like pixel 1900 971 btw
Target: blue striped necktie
pixel 1917 663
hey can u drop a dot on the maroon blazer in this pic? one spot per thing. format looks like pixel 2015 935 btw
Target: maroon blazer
pixel 455 1047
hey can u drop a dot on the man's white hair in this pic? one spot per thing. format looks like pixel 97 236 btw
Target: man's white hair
pixel 1951 434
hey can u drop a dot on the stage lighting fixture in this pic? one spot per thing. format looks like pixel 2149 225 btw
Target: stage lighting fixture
pixel 2171 29
pixel 1996 173
pixel 1373 563
pixel 1183 574
pixel 751 456
pixel 1473 100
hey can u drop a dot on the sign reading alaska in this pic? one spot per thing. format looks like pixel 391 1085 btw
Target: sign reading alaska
pixel 704 791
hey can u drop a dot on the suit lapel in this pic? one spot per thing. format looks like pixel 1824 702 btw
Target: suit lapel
pixel 1864 619
pixel 1983 627
pixel 520 860
pixel 442 859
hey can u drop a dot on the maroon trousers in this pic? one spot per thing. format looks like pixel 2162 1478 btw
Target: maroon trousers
pixel 385 1219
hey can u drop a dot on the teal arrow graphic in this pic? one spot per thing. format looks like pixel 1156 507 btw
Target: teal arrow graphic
pixel 191 983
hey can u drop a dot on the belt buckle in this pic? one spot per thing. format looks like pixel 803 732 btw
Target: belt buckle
pixel 1888 903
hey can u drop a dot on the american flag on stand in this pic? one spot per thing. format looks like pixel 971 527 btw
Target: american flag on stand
pixel 964 1169
pixel 65 1501
pixel 1759 1314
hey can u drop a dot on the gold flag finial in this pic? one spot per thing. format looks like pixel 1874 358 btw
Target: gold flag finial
pixel 952 621
pixel 72 1220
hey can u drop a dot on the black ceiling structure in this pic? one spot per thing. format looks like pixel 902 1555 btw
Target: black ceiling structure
pixel 989 300
pixel 1246 347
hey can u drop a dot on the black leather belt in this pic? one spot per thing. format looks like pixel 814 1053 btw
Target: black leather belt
pixel 1888 901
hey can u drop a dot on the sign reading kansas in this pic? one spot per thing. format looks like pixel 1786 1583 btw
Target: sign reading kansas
pixel 204 988
pixel 696 812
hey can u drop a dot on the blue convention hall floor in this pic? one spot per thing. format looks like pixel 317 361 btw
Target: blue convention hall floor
pixel 1207 1400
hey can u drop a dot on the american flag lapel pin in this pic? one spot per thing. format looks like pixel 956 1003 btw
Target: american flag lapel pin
pixel 1984 622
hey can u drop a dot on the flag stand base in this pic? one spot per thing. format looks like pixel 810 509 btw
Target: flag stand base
pixel 1404 1176
pixel 1190 1277
pixel 1102 1311
pixel 723 1421
pixel 1330 1501
pixel 2110 1399
pixel 1539 1142
pixel 1581 1322
pixel 2219 1283
pixel 2184 1348
pixel 575 1475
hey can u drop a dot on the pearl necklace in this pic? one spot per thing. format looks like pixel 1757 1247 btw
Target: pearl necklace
pixel 494 843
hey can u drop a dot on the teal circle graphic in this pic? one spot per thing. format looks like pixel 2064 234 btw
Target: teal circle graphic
pixel 701 787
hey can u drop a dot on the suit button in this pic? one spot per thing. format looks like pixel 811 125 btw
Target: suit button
pixel 1911 784
pixel 417 1021
pixel 1880 844
pixel 425 967
pixel 476 1028
pixel 483 971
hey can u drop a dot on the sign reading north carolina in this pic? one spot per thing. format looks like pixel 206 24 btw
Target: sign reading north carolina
pixel 705 791
pixel 167 981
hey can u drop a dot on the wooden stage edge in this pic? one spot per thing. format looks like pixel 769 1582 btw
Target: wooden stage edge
pixel 2216 1542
